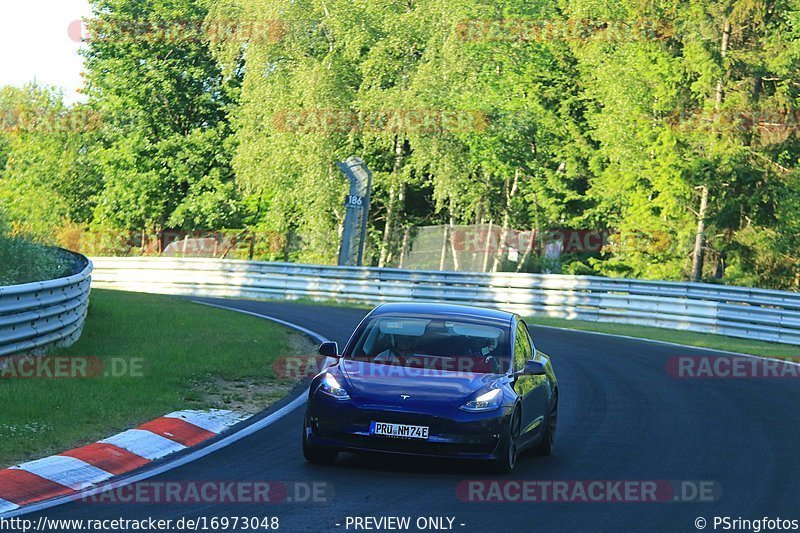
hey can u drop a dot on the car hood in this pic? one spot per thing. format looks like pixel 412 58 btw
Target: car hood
pixel 387 383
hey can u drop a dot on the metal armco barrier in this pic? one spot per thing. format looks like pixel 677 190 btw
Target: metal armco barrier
pixel 734 311
pixel 44 314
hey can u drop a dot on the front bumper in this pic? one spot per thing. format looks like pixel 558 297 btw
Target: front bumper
pixel 344 425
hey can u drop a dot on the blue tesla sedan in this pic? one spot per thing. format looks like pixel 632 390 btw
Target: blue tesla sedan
pixel 434 380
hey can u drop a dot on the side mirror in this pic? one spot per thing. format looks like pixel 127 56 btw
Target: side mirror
pixel 328 349
pixel 534 368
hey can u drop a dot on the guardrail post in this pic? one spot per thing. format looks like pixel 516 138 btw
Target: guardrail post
pixel 354 233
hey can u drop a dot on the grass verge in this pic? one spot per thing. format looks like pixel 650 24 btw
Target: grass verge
pixel 701 340
pixel 163 354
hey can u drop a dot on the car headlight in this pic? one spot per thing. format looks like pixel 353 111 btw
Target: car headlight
pixel 488 401
pixel 332 388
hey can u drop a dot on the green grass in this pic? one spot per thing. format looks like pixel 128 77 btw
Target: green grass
pixel 702 340
pixel 22 261
pixel 192 356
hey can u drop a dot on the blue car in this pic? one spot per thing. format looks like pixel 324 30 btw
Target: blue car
pixel 434 380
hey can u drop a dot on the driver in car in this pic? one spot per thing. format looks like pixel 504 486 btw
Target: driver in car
pixel 483 349
pixel 402 347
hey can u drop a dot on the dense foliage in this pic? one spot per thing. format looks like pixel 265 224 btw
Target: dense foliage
pixel 22 261
pixel 672 124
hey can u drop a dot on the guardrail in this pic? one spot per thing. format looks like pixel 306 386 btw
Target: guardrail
pixel 734 311
pixel 44 314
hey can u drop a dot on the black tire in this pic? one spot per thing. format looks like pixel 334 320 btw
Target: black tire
pixel 549 437
pixel 507 460
pixel 320 455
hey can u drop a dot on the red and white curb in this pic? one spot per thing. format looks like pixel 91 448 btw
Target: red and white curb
pixel 112 452
pixel 78 469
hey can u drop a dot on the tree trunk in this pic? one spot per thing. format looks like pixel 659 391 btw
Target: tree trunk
pixel 487 244
pixel 387 229
pixel 700 238
pixel 501 245
pixel 698 255
pixel 404 248
pixel 536 232
pixel 726 38
pixel 399 208
pixel 527 254
pixel 452 235
pixel 399 153
pixel 722 262
pixel 443 256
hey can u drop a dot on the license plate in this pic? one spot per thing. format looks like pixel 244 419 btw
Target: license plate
pixel 401 431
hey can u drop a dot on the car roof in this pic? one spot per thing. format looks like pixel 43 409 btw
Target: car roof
pixel 448 310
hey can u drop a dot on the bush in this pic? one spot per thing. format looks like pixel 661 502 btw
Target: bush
pixel 22 261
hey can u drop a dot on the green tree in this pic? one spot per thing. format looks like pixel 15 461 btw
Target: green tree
pixel 680 118
pixel 165 155
pixel 47 176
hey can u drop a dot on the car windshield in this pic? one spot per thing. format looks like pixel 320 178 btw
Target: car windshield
pixel 441 344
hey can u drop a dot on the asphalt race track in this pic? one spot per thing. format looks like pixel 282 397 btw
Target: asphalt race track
pixel 621 417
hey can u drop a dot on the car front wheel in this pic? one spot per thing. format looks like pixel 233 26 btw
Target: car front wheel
pixel 548 439
pixel 509 449
pixel 314 453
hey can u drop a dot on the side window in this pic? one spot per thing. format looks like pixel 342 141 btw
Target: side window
pixel 522 347
pixel 534 355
